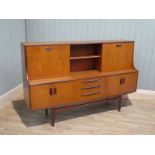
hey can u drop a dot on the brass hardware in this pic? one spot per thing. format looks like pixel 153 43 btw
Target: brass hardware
pixel 95 93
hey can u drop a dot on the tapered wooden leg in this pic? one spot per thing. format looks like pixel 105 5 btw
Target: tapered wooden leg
pixel 46 112
pixel 107 101
pixel 119 103
pixel 53 113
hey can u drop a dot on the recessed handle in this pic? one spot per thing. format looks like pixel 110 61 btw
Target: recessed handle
pixel 121 81
pixel 91 80
pixel 51 91
pixel 118 45
pixel 49 49
pixel 90 87
pixel 55 91
pixel 89 94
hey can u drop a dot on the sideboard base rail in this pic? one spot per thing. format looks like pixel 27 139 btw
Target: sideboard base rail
pixel 55 110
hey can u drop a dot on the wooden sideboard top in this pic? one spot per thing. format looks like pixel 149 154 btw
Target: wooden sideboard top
pixel 74 42
pixel 79 75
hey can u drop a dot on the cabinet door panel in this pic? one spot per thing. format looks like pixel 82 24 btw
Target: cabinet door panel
pixel 52 95
pixel 65 93
pixel 129 83
pixel 117 56
pixel 47 61
pixel 113 85
pixel 41 97
pixel 121 84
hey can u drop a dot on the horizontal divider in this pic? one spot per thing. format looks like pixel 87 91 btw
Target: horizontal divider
pixel 84 57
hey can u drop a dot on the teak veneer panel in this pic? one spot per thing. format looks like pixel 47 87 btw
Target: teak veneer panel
pixel 115 84
pixel 117 56
pixel 62 95
pixel 47 61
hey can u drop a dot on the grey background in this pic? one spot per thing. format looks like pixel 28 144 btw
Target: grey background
pixel 12 32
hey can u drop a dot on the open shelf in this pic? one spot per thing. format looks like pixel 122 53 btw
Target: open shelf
pixel 85 57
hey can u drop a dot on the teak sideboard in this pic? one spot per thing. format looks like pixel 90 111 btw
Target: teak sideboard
pixel 60 75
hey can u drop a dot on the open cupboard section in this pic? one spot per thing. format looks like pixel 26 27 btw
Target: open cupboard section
pixel 85 57
pixel 64 74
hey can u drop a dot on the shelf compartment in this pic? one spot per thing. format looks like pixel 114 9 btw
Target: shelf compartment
pixel 85 57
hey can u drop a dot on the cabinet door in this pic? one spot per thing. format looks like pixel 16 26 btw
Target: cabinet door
pixel 129 82
pixel 64 93
pixel 121 84
pixel 52 95
pixel 117 56
pixel 47 61
pixel 113 85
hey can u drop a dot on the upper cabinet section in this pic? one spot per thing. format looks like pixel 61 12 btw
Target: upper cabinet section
pixel 47 61
pixel 117 56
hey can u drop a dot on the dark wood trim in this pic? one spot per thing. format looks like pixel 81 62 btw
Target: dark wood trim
pixel 119 103
pixel 46 112
pixel 53 115
pixel 61 109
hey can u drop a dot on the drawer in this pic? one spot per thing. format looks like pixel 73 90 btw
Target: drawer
pixel 91 89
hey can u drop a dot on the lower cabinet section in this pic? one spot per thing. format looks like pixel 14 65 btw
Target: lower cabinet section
pixel 121 84
pixel 68 93
pixel 52 95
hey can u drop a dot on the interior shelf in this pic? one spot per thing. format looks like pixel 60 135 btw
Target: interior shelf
pixel 85 57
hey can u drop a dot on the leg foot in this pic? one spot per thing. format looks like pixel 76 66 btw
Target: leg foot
pixel 53 112
pixel 119 103
pixel 46 112
pixel 107 102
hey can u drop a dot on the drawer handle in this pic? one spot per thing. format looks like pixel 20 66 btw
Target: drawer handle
pixel 95 93
pixel 119 45
pixel 55 91
pixel 51 91
pixel 91 87
pixel 49 49
pixel 91 80
pixel 121 81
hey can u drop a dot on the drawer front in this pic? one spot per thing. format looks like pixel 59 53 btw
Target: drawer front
pixel 52 95
pixel 91 89
pixel 47 61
